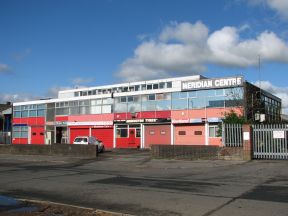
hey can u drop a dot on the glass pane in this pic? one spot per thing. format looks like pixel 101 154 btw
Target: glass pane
pixel 197 103
pixel 16 134
pixel 179 104
pixel 84 110
pixel 163 105
pixel 120 107
pixel 96 110
pixel 24 114
pixel 40 112
pixel 17 114
pixel 211 131
pixel 32 113
pixel 106 109
pixel 151 97
pixel 134 107
pixel 148 106
pixel 74 110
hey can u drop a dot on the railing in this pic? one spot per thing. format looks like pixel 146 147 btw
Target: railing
pixel 5 137
pixel 232 135
pixel 270 141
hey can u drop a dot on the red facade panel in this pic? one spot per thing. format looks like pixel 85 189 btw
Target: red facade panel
pixel 20 141
pixel 61 118
pixel 78 131
pixel 157 134
pixel 189 134
pixel 37 135
pixel 131 141
pixel 91 118
pixel 30 121
pixel 105 135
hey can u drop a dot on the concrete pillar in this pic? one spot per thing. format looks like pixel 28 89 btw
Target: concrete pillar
pixel 247 142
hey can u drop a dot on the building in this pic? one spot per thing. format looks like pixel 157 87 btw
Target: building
pixel 5 123
pixel 183 110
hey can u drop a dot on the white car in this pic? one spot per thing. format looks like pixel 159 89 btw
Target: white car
pixel 89 140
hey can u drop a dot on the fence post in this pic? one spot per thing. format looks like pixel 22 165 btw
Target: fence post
pixel 247 142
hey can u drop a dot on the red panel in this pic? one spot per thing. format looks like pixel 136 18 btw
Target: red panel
pixel 145 115
pixel 122 116
pixel 129 142
pixel 19 141
pixel 74 132
pixel 215 141
pixel 105 135
pixel 157 134
pixel 163 114
pixel 90 118
pixel 30 121
pixel 37 135
pixel 61 118
pixel 185 134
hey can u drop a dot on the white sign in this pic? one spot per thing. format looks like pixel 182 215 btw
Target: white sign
pixel 212 83
pixel 246 136
pixel 278 135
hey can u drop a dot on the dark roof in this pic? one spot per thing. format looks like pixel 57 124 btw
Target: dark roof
pixel 4 107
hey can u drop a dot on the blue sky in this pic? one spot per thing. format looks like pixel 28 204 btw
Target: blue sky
pixel 49 45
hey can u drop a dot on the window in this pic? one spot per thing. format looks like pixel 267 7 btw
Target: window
pixel 138 132
pixel 149 87
pixel 123 99
pixel 151 97
pixel 122 132
pixel 130 98
pixel 181 133
pixel 143 87
pixel 162 85
pixel 213 130
pixel 197 132
pixel 162 132
pixel 20 132
pixel 137 87
pixel 17 114
pixel 160 96
pixel 169 84
pixel 155 86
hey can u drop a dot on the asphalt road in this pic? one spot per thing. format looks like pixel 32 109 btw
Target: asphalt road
pixel 130 182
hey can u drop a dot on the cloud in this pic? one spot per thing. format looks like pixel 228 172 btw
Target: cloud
pixel 53 91
pixel 80 81
pixel 4 68
pixel 17 97
pixel 279 6
pixel 186 48
pixel 281 92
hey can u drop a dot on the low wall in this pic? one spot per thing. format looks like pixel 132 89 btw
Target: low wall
pixel 194 152
pixel 54 149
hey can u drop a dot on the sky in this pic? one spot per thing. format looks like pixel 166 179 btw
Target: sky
pixel 52 45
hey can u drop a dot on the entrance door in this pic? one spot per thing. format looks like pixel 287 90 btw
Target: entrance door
pixel 132 137
pixel 37 135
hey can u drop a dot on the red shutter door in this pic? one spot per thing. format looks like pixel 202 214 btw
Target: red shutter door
pixel 157 134
pixel 74 132
pixel 105 135
pixel 37 135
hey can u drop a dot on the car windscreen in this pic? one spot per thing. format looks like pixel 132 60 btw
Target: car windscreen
pixel 80 139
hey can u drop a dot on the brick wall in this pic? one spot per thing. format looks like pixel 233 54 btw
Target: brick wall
pixel 54 149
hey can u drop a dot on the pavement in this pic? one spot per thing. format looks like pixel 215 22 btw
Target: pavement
pixel 130 182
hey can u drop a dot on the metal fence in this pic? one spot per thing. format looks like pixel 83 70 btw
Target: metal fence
pixel 270 141
pixel 232 135
pixel 5 137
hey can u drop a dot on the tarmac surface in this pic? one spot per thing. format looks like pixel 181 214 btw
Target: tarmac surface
pixel 129 181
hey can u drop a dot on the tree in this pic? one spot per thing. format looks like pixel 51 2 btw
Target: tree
pixel 231 118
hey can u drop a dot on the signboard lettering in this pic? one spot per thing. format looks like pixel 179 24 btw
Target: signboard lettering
pixel 212 83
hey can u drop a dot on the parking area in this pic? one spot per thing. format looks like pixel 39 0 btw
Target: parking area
pixel 129 181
